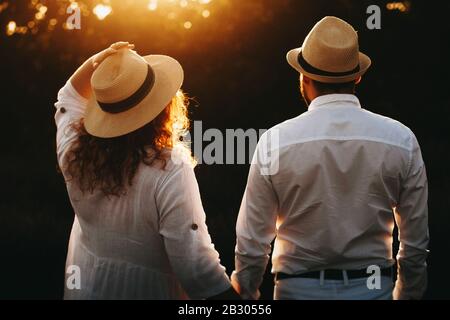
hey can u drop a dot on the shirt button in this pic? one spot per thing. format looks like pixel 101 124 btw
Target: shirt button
pixel 62 110
pixel 194 227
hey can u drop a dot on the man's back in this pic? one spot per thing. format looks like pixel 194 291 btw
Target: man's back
pixel 339 178
pixel 342 175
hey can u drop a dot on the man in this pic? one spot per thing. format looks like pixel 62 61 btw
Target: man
pixel 343 176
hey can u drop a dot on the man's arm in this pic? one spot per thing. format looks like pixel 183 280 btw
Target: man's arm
pixel 255 230
pixel 411 215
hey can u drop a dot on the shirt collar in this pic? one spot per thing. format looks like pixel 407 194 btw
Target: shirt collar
pixel 335 99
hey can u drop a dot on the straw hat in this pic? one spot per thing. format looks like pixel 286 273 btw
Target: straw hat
pixel 330 53
pixel 129 91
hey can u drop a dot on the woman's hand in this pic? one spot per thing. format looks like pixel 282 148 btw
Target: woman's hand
pixel 101 56
pixel 81 79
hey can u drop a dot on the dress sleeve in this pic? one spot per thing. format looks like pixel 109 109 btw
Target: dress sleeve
pixel 182 224
pixel 70 108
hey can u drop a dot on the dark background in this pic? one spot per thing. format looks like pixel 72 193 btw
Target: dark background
pixel 236 71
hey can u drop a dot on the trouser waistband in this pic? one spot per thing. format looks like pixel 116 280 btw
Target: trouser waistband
pixel 334 274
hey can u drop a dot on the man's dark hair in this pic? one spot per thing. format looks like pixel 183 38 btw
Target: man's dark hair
pixel 330 88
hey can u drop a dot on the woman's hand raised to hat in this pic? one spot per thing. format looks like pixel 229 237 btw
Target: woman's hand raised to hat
pixel 101 56
pixel 81 79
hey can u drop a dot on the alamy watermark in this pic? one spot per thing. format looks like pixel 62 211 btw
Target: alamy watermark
pixel 73 279
pixel 374 20
pixel 74 20
pixel 234 146
pixel 374 280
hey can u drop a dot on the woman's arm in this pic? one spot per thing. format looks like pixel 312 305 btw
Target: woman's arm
pixel 182 224
pixel 73 98
pixel 230 294
pixel 81 79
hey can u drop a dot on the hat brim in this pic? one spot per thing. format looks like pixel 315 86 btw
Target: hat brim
pixel 364 65
pixel 169 77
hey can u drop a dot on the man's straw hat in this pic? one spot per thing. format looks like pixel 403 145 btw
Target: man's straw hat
pixel 330 53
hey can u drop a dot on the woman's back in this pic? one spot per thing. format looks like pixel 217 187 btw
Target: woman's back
pixel 117 238
pixel 139 230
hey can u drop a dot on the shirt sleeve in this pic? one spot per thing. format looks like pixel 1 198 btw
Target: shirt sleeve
pixel 255 230
pixel 186 238
pixel 411 215
pixel 70 108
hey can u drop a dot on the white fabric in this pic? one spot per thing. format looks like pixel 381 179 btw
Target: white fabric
pixel 342 171
pixel 142 245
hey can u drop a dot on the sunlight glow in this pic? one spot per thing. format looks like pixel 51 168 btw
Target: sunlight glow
pixel 153 5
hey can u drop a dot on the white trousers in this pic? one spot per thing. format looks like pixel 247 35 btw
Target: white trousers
pixel 315 289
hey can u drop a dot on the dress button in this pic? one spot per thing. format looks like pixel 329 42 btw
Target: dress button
pixel 62 110
pixel 194 227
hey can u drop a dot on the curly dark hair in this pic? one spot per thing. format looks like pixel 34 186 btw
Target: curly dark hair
pixel 111 164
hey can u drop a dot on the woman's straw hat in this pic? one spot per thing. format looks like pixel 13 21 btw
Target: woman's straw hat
pixel 129 91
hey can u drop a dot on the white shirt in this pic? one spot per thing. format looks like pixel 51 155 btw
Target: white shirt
pixel 342 172
pixel 152 243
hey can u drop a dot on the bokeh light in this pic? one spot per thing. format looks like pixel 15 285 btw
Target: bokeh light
pixel 102 11
pixel 400 6
pixel 153 5
pixel 3 6
pixel 11 28
pixel 45 11
pixel 206 13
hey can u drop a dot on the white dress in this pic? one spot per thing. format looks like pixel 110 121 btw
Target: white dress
pixel 152 243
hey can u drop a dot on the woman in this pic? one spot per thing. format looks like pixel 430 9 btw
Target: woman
pixel 139 229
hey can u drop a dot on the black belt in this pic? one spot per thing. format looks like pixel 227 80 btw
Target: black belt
pixel 333 274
